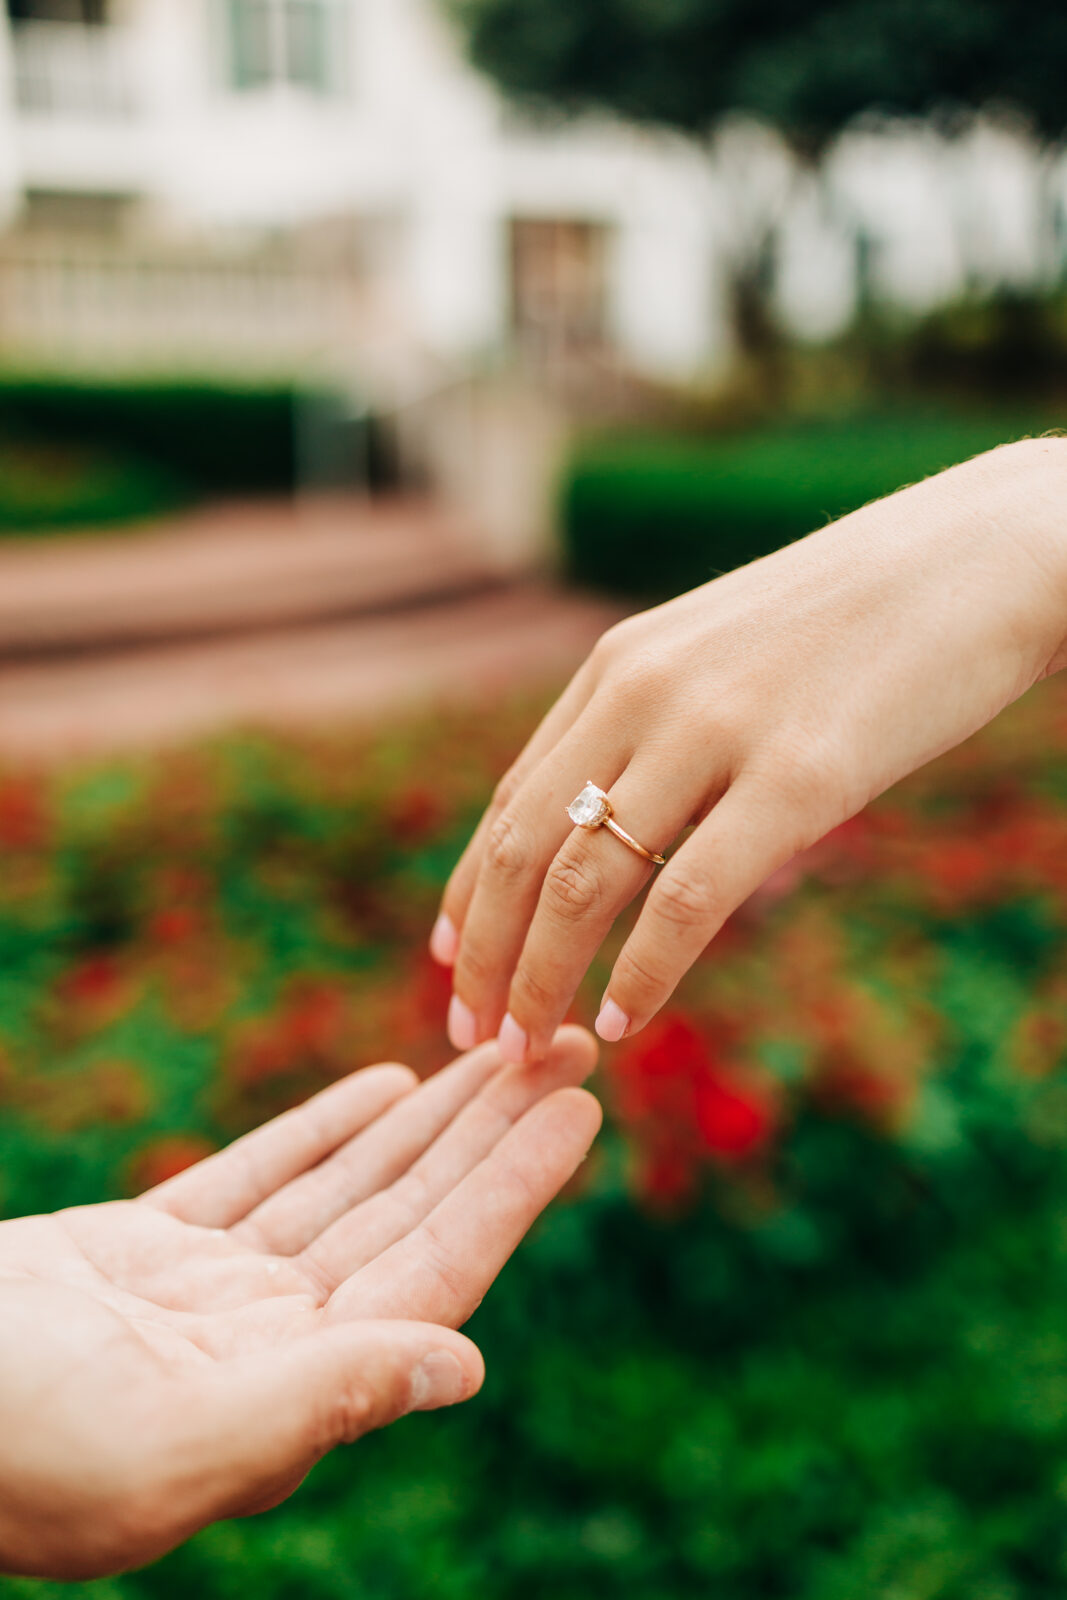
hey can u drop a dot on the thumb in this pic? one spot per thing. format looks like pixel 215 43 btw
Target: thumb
pixel 272 1416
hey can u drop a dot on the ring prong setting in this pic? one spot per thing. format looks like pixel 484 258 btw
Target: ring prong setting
pixel 591 808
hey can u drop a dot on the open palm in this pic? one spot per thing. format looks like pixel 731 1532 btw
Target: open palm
pixel 190 1355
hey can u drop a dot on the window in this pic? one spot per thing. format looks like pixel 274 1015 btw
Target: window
pixel 286 41
pixel 57 10
pixel 558 284
pixel 307 56
pixel 251 52
pixel 66 212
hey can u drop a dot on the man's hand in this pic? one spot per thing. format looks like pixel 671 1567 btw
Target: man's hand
pixel 190 1355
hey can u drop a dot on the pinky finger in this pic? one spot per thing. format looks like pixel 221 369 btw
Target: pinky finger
pixel 742 841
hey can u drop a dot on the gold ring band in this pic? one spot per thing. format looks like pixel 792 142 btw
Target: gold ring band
pixel 627 838
pixel 592 809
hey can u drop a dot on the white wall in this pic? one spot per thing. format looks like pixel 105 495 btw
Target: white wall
pixel 10 166
pixel 419 139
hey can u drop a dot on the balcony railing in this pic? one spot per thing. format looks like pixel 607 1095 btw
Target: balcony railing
pixel 69 70
pixel 121 306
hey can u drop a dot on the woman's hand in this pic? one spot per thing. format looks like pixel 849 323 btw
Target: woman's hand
pixel 190 1355
pixel 764 708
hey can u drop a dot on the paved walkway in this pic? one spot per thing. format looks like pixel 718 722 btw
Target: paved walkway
pixel 230 567
pixel 178 638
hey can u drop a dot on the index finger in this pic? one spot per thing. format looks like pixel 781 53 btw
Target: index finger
pixel 444 940
pixel 225 1187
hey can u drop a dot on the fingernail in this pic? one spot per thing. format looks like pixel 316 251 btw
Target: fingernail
pixel 444 941
pixel 462 1028
pixel 512 1040
pixel 438 1380
pixel 612 1022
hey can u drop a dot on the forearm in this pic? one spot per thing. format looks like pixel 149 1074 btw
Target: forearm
pixel 766 706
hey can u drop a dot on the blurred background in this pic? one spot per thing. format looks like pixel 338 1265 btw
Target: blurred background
pixel 360 361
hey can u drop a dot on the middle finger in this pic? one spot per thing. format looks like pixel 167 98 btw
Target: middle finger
pixel 593 877
pixel 368 1229
pixel 517 855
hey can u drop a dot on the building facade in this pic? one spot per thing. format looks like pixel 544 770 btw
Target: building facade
pixel 291 180
pixel 213 133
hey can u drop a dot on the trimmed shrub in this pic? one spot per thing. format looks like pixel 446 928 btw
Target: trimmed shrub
pixel 216 437
pixel 651 517
pixel 51 487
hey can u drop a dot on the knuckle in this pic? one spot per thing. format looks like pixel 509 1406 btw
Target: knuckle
pixel 475 969
pixel 613 644
pixel 353 1412
pixel 642 978
pixel 684 902
pixel 573 886
pixel 442 1267
pixel 531 996
pixel 634 680
pixel 730 727
pixel 809 789
pixel 506 790
pixel 507 851
pixel 411 1197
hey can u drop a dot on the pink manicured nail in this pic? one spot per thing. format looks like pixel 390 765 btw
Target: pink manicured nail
pixel 444 941
pixel 462 1028
pixel 612 1023
pixel 512 1040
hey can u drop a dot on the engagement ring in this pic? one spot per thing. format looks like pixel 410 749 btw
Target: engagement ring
pixel 592 809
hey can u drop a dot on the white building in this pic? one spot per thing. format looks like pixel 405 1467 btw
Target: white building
pixel 304 179
pixel 192 132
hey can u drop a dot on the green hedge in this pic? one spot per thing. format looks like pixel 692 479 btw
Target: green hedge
pixel 48 487
pixel 228 439
pixel 651 516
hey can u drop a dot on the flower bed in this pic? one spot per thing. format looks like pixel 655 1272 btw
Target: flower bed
pixel 799 1330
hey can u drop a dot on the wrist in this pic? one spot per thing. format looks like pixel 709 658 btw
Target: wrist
pixel 1030 511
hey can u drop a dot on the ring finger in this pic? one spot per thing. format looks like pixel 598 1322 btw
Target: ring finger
pixel 592 878
pixel 518 851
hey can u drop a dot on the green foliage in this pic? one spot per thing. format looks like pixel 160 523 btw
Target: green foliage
pixel 656 516
pixel 833 1368
pixel 45 487
pixel 1007 343
pixel 809 67
pixel 122 445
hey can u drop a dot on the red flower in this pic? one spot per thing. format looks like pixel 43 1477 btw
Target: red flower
pixel 174 925
pixel 167 1156
pixel 314 1017
pixel 656 1072
pixel 24 814
pixel 666 1179
pixel 419 1006
pixel 415 813
pixel 848 1083
pixel 687 1101
pixel 96 982
pixel 734 1121
pixel 310 1032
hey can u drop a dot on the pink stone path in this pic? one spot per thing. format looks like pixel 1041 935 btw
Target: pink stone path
pixel 240 618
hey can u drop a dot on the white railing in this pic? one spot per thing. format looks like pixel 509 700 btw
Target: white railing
pixel 69 70
pixel 68 302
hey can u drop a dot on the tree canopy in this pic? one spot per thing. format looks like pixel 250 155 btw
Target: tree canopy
pixel 808 66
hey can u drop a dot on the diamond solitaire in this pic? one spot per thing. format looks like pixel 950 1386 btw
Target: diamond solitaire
pixel 591 808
